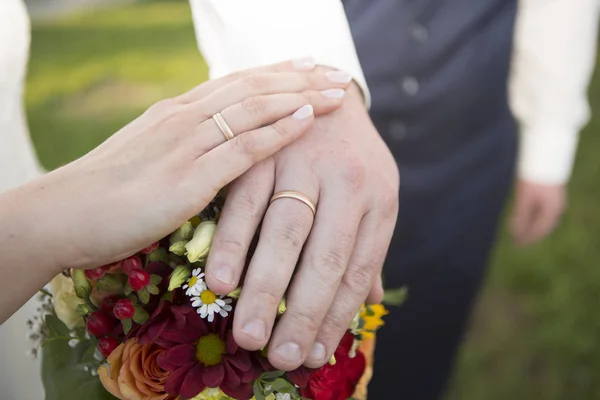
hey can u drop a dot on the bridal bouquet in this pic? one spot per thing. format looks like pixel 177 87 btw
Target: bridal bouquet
pixel 149 328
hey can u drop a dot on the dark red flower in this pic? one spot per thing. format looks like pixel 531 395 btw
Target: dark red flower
pixel 334 382
pixel 200 354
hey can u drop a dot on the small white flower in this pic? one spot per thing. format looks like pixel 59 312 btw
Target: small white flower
pixel 283 396
pixel 209 304
pixel 195 285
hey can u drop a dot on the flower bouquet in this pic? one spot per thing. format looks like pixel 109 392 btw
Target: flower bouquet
pixel 149 328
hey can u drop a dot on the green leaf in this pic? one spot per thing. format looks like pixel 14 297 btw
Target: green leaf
pixel 155 279
pixel 152 289
pixel 56 327
pixel 140 316
pixel 395 297
pixel 63 375
pixel 269 376
pixel 144 296
pixel 126 325
pixel 128 289
pixel 280 385
pixel 259 393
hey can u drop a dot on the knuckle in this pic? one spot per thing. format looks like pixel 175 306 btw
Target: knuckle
pixel 229 244
pixel 330 264
pixel 248 145
pixel 256 82
pixel 357 279
pixel 256 105
pixel 164 107
pixel 354 172
pixel 303 317
pixel 268 293
pixel 247 206
pixel 292 233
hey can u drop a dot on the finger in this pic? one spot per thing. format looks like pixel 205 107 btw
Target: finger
pixel 223 164
pixel 202 90
pixel 375 296
pixel 364 269
pixel 269 83
pixel 245 205
pixel 321 269
pixel 522 216
pixel 284 230
pixel 254 112
pixel 545 222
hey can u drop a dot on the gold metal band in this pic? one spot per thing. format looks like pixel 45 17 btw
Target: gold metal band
pixel 292 194
pixel 222 124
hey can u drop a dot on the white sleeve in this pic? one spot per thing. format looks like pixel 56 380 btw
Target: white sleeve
pixel 554 55
pixel 238 34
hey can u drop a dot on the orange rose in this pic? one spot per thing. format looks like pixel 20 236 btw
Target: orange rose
pixel 134 373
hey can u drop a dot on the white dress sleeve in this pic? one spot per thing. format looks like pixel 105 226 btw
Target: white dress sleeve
pixel 20 378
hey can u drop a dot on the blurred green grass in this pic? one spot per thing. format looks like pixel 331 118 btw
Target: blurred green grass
pixel 536 333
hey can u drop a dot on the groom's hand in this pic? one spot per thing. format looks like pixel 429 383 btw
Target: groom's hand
pixel 344 166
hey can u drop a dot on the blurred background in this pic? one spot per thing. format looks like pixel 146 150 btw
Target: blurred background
pixel 96 65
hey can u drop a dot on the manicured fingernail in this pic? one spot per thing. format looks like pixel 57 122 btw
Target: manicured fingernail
pixel 303 112
pixel 333 93
pixel 339 76
pixel 255 329
pixel 304 64
pixel 224 275
pixel 289 352
pixel 318 352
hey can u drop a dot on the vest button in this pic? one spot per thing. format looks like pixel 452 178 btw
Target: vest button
pixel 398 130
pixel 420 33
pixel 410 85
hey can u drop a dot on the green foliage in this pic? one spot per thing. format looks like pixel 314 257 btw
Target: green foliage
pixel 63 368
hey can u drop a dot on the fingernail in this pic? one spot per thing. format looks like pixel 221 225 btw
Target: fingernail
pixel 303 112
pixel 318 352
pixel 339 76
pixel 333 93
pixel 289 352
pixel 304 64
pixel 224 275
pixel 255 329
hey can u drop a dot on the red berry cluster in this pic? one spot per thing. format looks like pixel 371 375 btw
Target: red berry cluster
pixel 115 309
pixel 138 277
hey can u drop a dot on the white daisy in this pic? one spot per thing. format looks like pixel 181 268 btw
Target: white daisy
pixel 209 304
pixel 195 285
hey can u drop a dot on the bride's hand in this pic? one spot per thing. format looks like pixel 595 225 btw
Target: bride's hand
pixel 167 165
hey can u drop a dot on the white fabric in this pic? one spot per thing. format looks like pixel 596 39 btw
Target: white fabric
pixel 554 55
pixel 555 49
pixel 19 374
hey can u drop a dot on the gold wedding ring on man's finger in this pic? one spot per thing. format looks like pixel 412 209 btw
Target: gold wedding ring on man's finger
pixel 292 194
pixel 223 126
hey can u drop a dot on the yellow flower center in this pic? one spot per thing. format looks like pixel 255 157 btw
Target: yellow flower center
pixel 210 350
pixel 193 281
pixel 208 297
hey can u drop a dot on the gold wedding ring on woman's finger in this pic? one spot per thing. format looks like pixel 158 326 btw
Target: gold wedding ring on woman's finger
pixel 292 194
pixel 223 126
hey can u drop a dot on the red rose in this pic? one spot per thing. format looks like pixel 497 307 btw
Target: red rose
pixel 337 382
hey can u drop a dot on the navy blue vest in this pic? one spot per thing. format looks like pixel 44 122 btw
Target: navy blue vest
pixel 438 72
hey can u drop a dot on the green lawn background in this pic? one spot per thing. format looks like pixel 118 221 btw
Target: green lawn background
pixel 536 331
